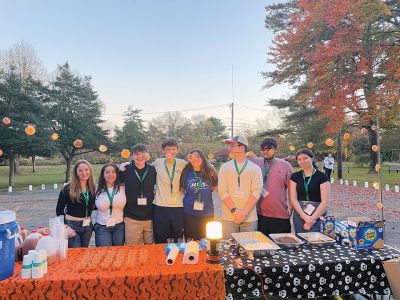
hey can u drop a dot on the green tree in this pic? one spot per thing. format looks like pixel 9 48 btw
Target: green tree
pixel 19 104
pixel 133 130
pixel 75 112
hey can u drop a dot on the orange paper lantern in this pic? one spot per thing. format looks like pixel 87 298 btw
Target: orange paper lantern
pixel 30 130
pixel 210 155
pixel 6 121
pixel 375 185
pixel 250 154
pixel 310 145
pixel 377 167
pixel 102 148
pixel 379 205
pixel 231 155
pixel 78 144
pixel 292 148
pixel 1 152
pixel 346 136
pixel 364 131
pixel 329 142
pixel 375 148
pixel 125 153
pixel 54 136
pixel 146 156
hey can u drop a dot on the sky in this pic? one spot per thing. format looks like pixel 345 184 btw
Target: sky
pixel 156 55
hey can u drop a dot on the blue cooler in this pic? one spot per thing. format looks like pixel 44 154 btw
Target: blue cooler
pixel 8 230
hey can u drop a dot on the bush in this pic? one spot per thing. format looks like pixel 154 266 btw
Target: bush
pixel 362 160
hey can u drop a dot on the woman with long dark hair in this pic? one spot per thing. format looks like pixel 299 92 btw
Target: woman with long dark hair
pixel 110 203
pixel 198 180
pixel 309 191
pixel 76 202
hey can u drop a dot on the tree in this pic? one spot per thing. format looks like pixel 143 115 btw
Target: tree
pixel 23 109
pixel 342 57
pixel 133 131
pixel 75 112
pixel 169 124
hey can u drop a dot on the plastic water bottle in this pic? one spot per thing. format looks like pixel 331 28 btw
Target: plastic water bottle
pixel 37 271
pixel 43 256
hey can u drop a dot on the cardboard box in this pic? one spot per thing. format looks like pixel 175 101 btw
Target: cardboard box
pixel 342 232
pixel 366 234
pixel 328 226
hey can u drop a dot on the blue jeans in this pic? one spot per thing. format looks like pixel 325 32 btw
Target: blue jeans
pixel 109 236
pixel 83 234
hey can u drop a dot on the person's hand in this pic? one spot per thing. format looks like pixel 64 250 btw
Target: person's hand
pixel 122 166
pixel 290 210
pixel 70 232
pixel 307 226
pixel 239 216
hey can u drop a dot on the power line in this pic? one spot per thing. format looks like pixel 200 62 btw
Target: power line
pixel 181 110
pixel 252 108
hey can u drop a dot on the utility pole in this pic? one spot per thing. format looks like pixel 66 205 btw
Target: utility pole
pixel 233 101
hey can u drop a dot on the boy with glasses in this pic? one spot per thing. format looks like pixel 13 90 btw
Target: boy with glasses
pixel 239 186
pixel 273 208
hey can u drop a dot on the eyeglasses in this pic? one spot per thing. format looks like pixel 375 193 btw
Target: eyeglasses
pixel 234 145
pixel 267 148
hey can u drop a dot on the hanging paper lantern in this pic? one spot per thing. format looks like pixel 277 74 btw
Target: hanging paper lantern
pixel 231 155
pixel 102 148
pixel 364 131
pixel 346 136
pixel 375 148
pixel 373 127
pixel 54 136
pixel 6 121
pixel 377 168
pixel 78 144
pixel 379 205
pixel 329 142
pixel 146 156
pixel 30 130
pixel 292 148
pixel 375 185
pixel 310 145
pixel 1 152
pixel 210 155
pixel 125 153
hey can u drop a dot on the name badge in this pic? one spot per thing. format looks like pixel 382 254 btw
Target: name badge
pixel 239 194
pixel 309 209
pixel 86 222
pixel 198 205
pixel 142 201
pixel 264 192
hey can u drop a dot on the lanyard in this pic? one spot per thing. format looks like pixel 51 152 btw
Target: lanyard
pixel 86 198
pixel 141 179
pixel 266 170
pixel 199 185
pixel 307 183
pixel 111 198
pixel 171 178
pixel 241 171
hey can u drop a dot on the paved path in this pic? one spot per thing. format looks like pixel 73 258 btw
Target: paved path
pixel 36 207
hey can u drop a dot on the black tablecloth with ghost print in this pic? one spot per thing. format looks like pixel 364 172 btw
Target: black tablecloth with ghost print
pixel 305 272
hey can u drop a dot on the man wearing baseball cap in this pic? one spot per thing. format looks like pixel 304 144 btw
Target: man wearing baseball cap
pixel 273 208
pixel 239 186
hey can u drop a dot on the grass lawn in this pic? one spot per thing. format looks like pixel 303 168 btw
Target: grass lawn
pixel 49 175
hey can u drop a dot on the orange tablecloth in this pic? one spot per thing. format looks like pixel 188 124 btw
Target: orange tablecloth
pixel 145 277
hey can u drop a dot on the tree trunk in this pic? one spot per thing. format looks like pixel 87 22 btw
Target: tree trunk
pixel 33 163
pixel 12 169
pixel 339 156
pixel 17 169
pixel 373 140
pixel 67 173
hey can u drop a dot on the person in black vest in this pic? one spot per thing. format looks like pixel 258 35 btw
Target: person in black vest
pixel 309 193
pixel 139 178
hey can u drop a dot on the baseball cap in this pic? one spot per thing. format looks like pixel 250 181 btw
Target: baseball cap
pixel 238 139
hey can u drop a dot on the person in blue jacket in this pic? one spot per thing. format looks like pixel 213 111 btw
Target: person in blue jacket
pixel 198 180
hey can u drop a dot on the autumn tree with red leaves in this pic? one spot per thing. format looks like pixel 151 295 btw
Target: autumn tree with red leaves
pixel 341 57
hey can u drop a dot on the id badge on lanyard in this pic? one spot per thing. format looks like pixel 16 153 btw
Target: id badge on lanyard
pixel 239 193
pixel 86 222
pixel 142 200
pixel 198 205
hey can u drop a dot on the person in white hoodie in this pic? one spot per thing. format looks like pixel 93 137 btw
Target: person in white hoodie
pixel 240 184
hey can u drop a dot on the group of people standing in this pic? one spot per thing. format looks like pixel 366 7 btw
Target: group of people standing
pixel 142 203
